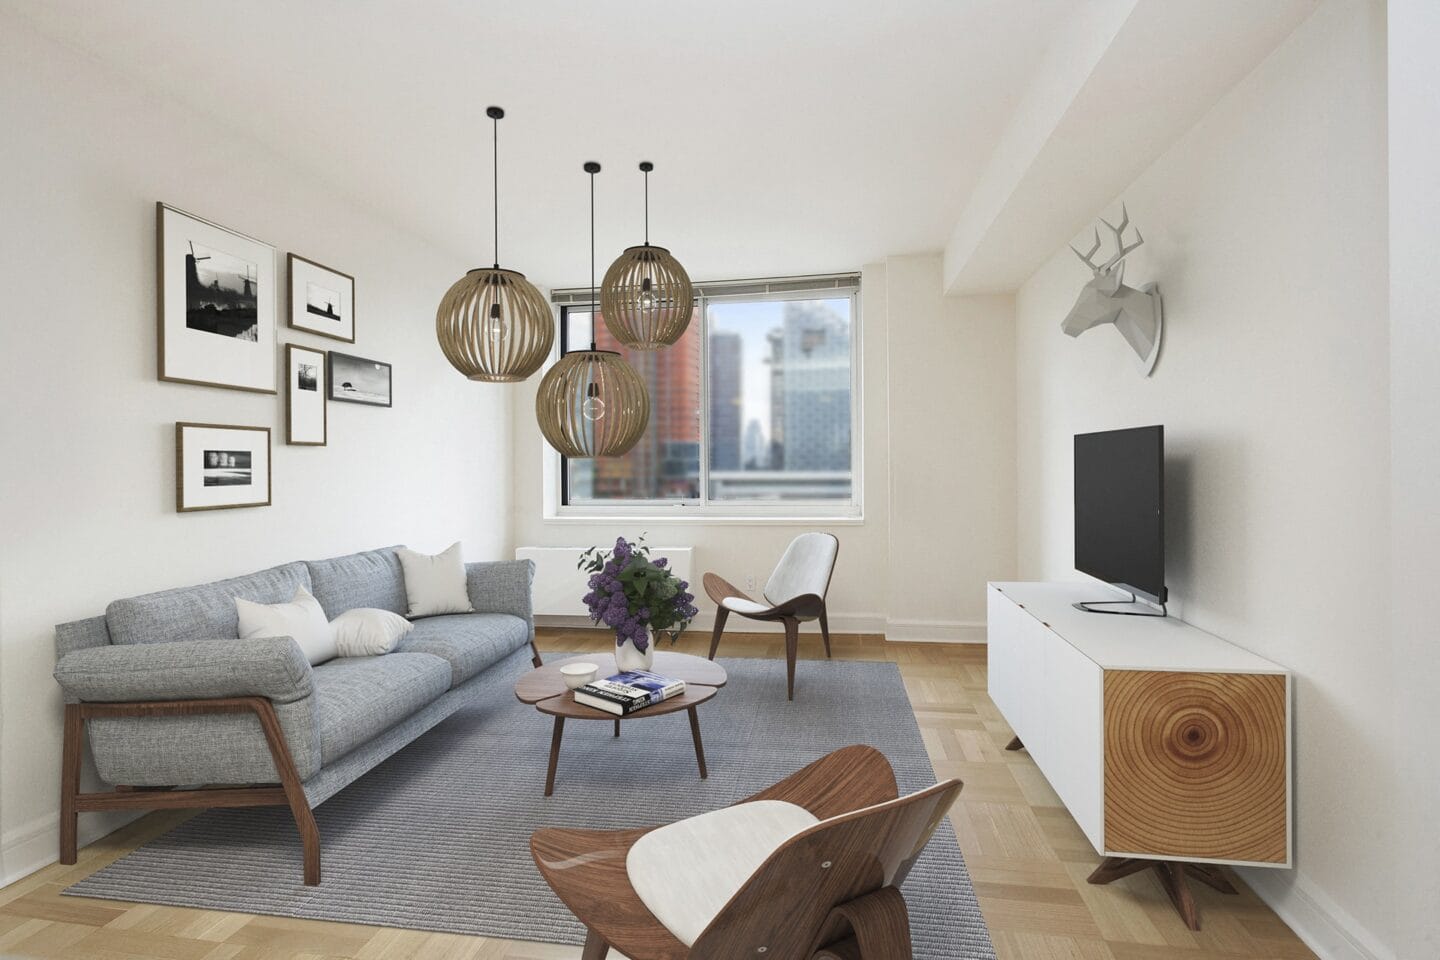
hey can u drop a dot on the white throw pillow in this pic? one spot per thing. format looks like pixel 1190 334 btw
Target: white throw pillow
pixel 301 619
pixel 435 585
pixel 368 632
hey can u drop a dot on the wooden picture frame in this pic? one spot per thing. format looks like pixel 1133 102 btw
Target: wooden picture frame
pixel 320 299
pixel 216 301
pixel 220 466
pixel 352 379
pixel 307 420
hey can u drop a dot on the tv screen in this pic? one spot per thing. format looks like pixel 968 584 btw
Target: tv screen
pixel 1120 509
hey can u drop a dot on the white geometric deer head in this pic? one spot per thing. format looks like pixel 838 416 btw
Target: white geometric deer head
pixel 1105 299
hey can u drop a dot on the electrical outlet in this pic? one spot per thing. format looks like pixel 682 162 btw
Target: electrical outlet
pixel 750 583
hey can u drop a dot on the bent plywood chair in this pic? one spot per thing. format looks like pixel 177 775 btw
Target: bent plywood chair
pixel 794 593
pixel 809 869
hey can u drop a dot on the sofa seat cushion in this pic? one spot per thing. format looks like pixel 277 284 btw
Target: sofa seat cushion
pixel 206 612
pixel 369 579
pixel 360 697
pixel 686 872
pixel 468 642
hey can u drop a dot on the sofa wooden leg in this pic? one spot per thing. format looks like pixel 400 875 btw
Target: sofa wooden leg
pixel 294 790
pixel 825 629
pixel 792 650
pixel 721 615
pixel 595 946
pixel 70 783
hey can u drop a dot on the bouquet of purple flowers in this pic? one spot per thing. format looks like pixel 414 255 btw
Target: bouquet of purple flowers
pixel 633 594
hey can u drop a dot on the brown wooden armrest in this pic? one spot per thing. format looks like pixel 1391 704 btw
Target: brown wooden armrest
pixel 719 589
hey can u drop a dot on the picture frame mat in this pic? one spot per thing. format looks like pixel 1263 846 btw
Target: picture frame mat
pixel 191 442
pixel 198 357
pixel 304 271
pixel 306 412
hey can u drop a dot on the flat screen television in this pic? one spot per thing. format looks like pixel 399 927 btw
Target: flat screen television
pixel 1120 509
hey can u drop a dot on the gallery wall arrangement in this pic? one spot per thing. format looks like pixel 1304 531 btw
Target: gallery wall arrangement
pixel 217 328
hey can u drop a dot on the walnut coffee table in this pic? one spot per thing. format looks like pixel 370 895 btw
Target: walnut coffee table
pixel 545 688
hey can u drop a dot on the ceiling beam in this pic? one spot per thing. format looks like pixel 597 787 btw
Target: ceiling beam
pixel 1128 80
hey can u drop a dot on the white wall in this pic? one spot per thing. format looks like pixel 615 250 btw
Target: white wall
pixel 87 511
pixel 938 580
pixel 1414 146
pixel 1265 227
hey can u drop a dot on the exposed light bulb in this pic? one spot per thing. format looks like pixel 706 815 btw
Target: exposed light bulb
pixel 593 408
pixel 497 327
pixel 647 298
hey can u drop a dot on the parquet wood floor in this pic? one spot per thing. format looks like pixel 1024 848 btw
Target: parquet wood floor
pixel 1027 857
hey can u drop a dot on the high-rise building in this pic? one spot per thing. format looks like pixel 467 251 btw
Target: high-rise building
pixel 725 400
pixel 810 388
pixel 755 452
pixel 665 463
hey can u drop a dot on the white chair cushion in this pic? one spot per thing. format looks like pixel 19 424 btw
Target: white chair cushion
pixel 741 605
pixel 805 568
pixel 686 872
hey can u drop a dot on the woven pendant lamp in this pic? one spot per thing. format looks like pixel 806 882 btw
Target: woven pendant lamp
pixel 592 403
pixel 493 325
pixel 646 296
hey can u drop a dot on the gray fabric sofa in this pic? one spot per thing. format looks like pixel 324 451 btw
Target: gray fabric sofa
pixel 180 713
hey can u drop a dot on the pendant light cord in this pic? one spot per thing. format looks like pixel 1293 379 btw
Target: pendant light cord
pixel 592 263
pixel 495 182
pixel 647 208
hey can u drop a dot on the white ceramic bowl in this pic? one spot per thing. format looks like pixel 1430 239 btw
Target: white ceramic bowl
pixel 578 674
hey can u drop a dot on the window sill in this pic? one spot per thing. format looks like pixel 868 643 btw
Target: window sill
pixel 848 520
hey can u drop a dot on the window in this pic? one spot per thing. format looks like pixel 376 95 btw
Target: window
pixel 752 413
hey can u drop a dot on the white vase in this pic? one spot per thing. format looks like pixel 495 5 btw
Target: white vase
pixel 629 658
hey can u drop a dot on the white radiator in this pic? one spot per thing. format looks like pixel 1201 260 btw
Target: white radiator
pixel 559 587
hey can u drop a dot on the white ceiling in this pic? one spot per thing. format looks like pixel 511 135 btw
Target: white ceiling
pixel 789 137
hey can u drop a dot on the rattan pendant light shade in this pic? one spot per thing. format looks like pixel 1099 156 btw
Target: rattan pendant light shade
pixel 493 325
pixel 592 403
pixel 646 296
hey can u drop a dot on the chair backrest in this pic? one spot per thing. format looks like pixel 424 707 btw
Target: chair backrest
pixel 784 904
pixel 804 569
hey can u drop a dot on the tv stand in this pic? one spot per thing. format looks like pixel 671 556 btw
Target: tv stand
pixel 1144 608
pixel 1169 746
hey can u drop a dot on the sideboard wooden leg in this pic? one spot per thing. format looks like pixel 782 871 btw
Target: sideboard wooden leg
pixel 1174 877
pixel 1014 744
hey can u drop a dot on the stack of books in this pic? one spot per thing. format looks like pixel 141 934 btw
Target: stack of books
pixel 627 692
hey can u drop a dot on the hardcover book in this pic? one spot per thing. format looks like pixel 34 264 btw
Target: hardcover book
pixel 624 693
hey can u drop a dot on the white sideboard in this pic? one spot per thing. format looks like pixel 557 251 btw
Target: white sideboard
pixel 1170 747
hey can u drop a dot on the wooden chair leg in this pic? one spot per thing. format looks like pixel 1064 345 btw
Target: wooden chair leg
pixel 595 946
pixel 881 923
pixel 792 649
pixel 70 783
pixel 825 629
pixel 721 615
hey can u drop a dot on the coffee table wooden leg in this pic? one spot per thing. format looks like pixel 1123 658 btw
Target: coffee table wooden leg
pixel 554 755
pixel 617 726
pixel 699 747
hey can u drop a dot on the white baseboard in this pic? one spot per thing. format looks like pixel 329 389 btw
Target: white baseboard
pixel 935 631
pixel 908 631
pixel 36 844
pixel 1319 921
pixel 705 622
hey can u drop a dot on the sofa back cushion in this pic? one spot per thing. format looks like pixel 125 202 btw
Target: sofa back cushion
pixel 369 579
pixel 200 613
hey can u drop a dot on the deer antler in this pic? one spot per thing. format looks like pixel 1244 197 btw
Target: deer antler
pixel 1120 249
pixel 1085 257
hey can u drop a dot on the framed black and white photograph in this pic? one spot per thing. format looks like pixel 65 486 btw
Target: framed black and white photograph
pixel 357 380
pixel 217 304
pixel 218 467
pixel 322 300
pixel 305 413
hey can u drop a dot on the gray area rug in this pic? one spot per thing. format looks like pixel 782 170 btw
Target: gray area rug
pixel 437 837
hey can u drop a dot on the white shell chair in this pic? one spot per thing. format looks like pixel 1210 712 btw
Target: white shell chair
pixel 794 593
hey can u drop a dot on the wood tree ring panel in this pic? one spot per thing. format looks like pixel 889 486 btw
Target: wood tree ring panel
pixel 1196 765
